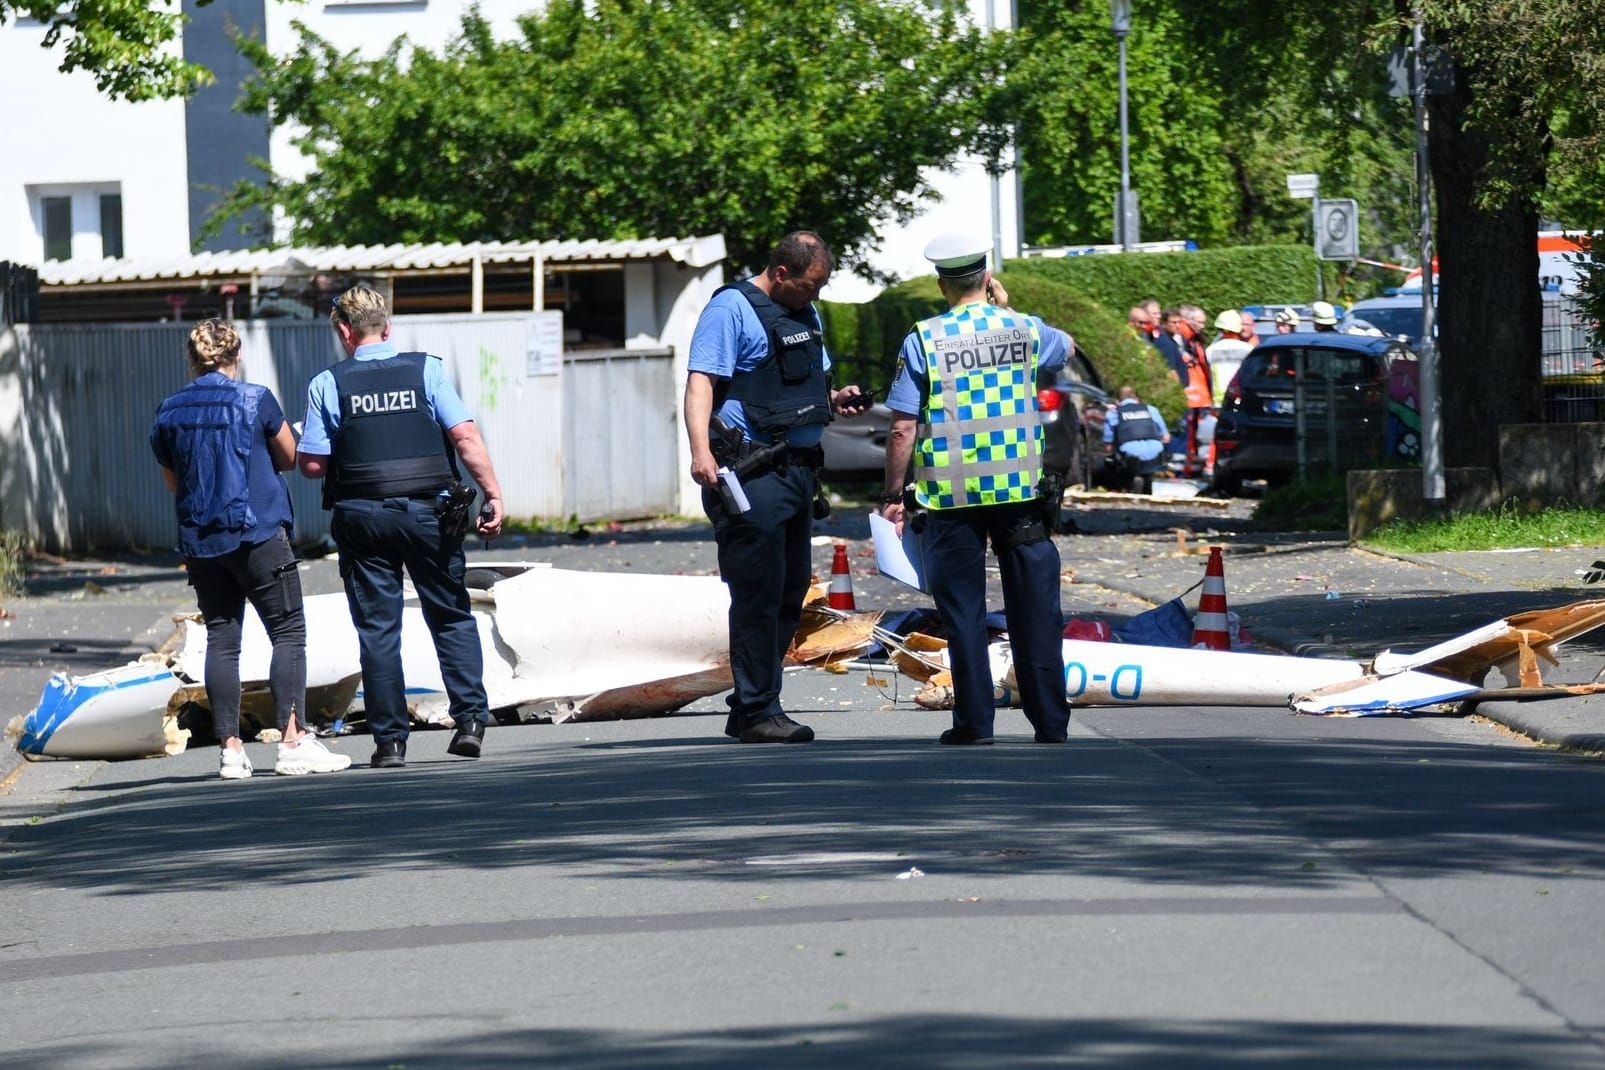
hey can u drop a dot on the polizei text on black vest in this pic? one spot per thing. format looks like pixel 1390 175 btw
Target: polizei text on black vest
pixel 383 401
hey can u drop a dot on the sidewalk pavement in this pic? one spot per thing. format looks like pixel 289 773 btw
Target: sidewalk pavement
pixel 1315 595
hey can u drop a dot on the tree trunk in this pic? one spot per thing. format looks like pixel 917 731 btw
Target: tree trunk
pixel 1490 312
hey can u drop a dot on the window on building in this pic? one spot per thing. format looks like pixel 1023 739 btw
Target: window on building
pixel 57 213
pixel 111 224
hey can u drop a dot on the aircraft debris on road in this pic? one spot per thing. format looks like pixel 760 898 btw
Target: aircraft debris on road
pixel 568 645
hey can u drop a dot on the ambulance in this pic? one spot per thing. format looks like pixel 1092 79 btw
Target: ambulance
pixel 1557 273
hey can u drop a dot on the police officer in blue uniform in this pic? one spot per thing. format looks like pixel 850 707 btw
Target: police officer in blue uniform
pixel 384 431
pixel 758 367
pixel 1137 432
pixel 964 411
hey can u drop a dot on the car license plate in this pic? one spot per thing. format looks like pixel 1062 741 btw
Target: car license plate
pixel 1279 406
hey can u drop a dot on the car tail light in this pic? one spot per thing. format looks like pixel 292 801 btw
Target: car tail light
pixel 1234 391
pixel 1048 400
pixel 1224 446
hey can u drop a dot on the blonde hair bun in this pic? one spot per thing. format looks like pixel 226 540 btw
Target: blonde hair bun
pixel 213 344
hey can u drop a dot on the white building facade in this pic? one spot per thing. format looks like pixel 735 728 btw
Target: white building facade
pixel 88 178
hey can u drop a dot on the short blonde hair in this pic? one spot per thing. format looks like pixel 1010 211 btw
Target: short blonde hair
pixel 361 308
pixel 213 344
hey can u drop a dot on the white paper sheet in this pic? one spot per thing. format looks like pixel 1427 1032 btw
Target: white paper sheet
pixel 901 559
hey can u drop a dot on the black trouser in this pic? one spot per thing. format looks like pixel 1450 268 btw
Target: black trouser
pixel 766 560
pixel 377 539
pixel 264 573
pixel 954 544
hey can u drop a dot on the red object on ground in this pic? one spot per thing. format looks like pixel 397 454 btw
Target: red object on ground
pixel 1210 629
pixel 841 582
pixel 1092 631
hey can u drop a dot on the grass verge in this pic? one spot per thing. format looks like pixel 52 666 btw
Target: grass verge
pixel 1504 529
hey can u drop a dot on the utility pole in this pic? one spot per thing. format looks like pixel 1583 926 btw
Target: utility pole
pixel 1433 491
pixel 1126 218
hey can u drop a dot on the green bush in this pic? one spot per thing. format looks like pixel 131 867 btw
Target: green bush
pixel 1214 279
pixel 1319 504
pixel 864 339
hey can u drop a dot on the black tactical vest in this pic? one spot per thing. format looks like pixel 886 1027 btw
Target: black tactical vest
pixel 791 387
pixel 1136 424
pixel 388 444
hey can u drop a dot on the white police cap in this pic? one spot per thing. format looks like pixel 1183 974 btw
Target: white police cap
pixel 957 255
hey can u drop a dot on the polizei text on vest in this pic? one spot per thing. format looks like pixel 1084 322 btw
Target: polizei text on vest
pixel 988 349
pixel 383 401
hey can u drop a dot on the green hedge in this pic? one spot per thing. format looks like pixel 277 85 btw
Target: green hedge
pixel 864 339
pixel 1214 279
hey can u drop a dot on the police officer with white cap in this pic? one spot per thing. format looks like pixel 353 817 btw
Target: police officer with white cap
pixel 965 412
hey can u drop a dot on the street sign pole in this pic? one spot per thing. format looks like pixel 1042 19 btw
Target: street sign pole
pixel 1300 187
pixel 1315 232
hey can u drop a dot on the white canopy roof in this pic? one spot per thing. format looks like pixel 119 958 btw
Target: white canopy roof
pixel 374 259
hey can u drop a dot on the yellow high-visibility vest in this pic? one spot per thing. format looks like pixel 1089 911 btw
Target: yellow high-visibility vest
pixel 979 439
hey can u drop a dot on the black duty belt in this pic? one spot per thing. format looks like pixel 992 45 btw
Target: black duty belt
pixel 806 456
pixel 427 497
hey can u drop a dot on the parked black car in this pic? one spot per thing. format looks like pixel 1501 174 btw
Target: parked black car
pixel 1339 384
pixel 855 446
pixel 1071 404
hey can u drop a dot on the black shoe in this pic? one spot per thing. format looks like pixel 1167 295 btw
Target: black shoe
pixel 389 754
pixel 467 740
pixel 732 727
pixel 1043 737
pixel 964 737
pixel 777 729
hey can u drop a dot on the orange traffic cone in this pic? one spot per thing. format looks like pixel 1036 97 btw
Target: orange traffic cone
pixel 1209 627
pixel 841 582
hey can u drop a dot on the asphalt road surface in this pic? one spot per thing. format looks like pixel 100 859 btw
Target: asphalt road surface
pixel 1172 888
pixel 1194 888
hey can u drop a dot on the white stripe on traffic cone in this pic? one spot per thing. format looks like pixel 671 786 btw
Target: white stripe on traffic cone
pixel 1210 629
pixel 841 582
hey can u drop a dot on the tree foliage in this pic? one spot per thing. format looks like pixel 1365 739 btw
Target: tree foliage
pixel 1517 132
pixel 1064 84
pixel 128 45
pixel 621 119
pixel 1225 99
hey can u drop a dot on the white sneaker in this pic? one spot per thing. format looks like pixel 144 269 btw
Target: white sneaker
pixel 233 764
pixel 309 755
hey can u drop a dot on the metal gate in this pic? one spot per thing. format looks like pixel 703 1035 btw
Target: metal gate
pixel 584 434
pixel 621 440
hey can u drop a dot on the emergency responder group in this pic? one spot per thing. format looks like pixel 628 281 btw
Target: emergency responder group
pixel 389 436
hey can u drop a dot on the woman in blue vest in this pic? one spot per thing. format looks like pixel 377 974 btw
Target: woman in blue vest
pixel 222 444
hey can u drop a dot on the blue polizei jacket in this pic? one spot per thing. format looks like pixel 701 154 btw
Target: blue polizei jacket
pixel 206 433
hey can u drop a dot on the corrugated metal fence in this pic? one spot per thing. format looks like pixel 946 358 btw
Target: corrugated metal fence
pixel 582 435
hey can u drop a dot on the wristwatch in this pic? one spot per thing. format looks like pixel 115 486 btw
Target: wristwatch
pixel 890 499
